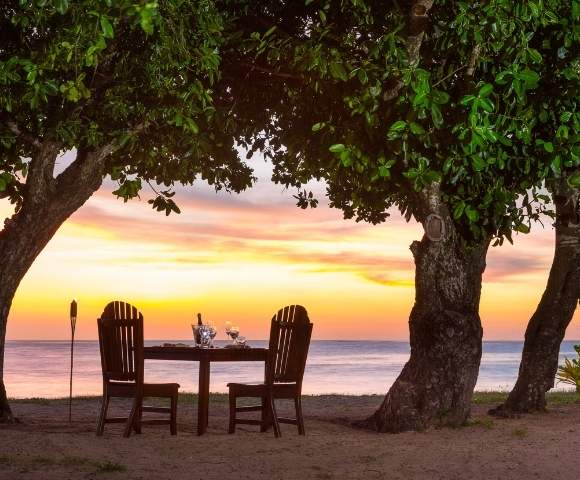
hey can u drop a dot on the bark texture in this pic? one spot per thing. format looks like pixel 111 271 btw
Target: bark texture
pixel 436 385
pixel 48 202
pixel 547 326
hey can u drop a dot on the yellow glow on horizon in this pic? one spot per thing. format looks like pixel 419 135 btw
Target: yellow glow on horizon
pixel 240 262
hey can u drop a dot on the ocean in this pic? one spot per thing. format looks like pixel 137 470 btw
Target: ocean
pixel 41 368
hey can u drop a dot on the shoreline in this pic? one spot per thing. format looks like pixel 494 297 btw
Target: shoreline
pixel 483 397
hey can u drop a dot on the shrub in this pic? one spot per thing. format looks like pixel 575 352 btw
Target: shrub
pixel 570 372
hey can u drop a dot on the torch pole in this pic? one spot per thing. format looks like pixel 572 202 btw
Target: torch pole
pixel 73 324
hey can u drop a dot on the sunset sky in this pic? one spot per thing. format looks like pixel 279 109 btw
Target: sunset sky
pixel 241 257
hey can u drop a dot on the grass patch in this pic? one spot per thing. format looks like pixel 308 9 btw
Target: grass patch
pixel 75 461
pixel 6 460
pixel 519 433
pixel 483 422
pixel 108 466
pixel 553 398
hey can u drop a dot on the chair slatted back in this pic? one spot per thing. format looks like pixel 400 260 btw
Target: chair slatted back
pixel 290 333
pixel 121 342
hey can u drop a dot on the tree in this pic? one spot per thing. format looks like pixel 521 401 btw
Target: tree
pixel 435 108
pixel 548 324
pixel 560 123
pixel 128 86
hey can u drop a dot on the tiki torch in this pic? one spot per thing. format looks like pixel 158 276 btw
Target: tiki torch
pixel 73 324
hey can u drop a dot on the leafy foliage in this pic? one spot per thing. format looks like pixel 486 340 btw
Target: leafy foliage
pixel 570 372
pixel 136 75
pixel 480 118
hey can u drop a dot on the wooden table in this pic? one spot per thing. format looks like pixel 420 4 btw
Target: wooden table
pixel 205 356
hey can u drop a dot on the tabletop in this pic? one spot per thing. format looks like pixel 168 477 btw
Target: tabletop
pixel 195 354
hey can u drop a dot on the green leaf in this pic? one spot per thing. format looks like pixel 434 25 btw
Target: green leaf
pixel 530 77
pixel 478 163
pixel 318 126
pixel 549 147
pixel 501 77
pixel 458 210
pixel 106 27
pixel 522 228
pixel 61 6
pixel 362 76
pixel 486 90
pixel 416 129
pixel 486 104
pixel 398 126
pixel 345 158
pixel 269 32
pixel 337 148
pixel 384 171
pixel 535 56
pixel 337 71
pixel 440 97
pixel 471 214
pixel 436 115
pixel 574 180
pixel 467 99
pixel 192 126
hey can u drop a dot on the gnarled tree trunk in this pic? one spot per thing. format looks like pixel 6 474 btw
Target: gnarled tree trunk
pixel 48 202
pixel 436 385
pixel 547 327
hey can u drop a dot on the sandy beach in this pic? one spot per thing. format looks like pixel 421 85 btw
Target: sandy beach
pixel 46 446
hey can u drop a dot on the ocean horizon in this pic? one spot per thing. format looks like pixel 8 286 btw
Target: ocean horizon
pixel 40 368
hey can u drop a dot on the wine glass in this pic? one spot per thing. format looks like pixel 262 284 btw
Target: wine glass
pixel 233 332
pixel 212 331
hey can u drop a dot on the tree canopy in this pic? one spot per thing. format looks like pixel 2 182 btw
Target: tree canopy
pixel 132 80
pixel 467 104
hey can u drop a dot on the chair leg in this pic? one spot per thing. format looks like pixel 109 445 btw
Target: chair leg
pixel 232 427
pixel 274 416
pixel 173 424
pixel 266 420
pixel 138 418
pixel 102 415
pixel 132 416
pixel 299 417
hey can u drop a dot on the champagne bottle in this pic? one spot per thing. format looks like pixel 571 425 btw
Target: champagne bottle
pixel 196 331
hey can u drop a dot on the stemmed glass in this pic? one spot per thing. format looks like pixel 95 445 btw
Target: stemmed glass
pixel 233 332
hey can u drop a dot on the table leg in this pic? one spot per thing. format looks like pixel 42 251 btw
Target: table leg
pixel 203 392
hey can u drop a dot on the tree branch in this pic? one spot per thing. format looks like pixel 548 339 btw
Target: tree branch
pixel 253 67
pixel 20 132
pixel 418 22
pixel 473 60
pixel 87 169
pixel 40 179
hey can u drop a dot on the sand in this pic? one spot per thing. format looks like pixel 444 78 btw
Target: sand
pixel 47 447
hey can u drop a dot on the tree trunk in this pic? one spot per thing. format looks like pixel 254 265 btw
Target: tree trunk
pixel 46 206
pixel 436 385
pixel 547 327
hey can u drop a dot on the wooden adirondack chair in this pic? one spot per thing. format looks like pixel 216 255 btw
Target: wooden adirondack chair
pixel 121 342
pixel 290 333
